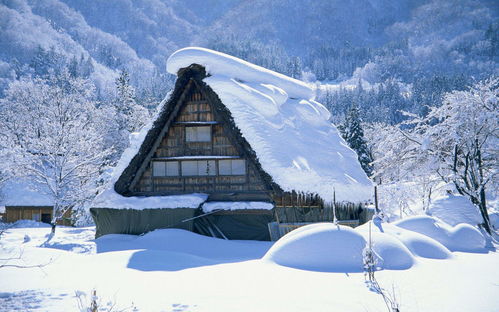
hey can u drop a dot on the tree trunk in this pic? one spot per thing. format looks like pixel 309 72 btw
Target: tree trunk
pixel 53 227
pixel 484 212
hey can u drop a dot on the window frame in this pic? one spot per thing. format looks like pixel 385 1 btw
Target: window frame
pixel 166 171
pixel 193 133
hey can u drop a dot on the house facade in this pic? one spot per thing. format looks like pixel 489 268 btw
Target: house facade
pixel 226 156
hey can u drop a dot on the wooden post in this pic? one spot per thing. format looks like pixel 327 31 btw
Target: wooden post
pixel 335 221
pixel 376 198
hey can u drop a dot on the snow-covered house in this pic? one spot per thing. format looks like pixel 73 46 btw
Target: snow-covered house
pixel 20 199
pixel 238 142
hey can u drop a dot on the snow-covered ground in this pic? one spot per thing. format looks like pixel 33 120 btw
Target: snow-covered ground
pixel 175 270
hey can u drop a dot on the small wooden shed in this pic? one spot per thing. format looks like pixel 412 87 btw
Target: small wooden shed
pixel 20 201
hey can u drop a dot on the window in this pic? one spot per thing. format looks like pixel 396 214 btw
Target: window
pixel 206 167
pixel 198 134
pixel 36 217
pixel 199 168
pixel 165 168
pixel 159 169
pixel 172 168
pixel 189 168
pixel 232 167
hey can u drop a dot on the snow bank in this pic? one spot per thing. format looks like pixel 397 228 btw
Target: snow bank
pixel 28 224
pixel 454 209
pixel 211 206
pixel 289 131
pixel 321 247
pixel 419 244
pixel 185 242
pixel 462 237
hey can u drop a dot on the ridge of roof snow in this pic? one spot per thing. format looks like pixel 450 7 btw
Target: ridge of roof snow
pixel 221 64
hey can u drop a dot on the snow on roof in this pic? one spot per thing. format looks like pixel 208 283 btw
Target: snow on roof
pixel 221 64
pixel 22 192
pixel 289 131
pixel 114 200
pixel 241 205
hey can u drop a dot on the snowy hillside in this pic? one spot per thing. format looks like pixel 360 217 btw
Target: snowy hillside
pixel 329 39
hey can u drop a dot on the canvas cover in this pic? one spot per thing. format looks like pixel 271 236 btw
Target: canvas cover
pixel 239 224
pixel 131 221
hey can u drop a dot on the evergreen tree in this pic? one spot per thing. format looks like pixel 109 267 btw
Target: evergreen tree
pixel 353 134
pixel 125 102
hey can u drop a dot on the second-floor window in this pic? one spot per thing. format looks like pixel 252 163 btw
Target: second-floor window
pixel 198 134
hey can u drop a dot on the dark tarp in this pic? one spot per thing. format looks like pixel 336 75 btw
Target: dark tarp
pixel 132 221
pixel 238 224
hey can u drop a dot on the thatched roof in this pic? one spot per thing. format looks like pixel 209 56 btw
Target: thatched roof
pixel 273 120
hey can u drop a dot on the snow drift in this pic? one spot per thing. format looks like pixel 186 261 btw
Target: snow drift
pixel 321 247
pixel 455 209
pixel 393 254
pixel 462 237
pixel 419 244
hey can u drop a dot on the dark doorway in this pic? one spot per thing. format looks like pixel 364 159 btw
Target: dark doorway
pixel 46 218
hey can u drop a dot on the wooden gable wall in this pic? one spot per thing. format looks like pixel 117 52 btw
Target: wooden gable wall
pixel 195 110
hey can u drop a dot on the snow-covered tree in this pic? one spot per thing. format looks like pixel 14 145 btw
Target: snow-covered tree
pixel 130 115
pixel 54 125
pixel 353 134
pixel 458 141
pixel 463 134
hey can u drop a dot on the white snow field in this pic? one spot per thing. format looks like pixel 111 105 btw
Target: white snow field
pixel 314 268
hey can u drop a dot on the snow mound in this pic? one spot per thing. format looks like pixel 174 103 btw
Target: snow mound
pixel 28 224
pixel 419 244
pixel 454 209
pixel 185 242
pixel 393 253
pixel 279 118
pixel 321 247
pixel 462 237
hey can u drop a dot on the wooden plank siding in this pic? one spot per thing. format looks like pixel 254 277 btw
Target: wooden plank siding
pixel 196 110
pixel 15 213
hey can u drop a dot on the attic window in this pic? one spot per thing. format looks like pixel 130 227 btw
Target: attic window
pixel 198 134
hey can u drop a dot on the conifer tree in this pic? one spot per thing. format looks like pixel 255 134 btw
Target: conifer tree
pixel 353 134
pixel 131 116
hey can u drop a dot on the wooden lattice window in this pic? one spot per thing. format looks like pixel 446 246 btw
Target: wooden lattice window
pixel 165 168
pixel 198 134
pixel 232 167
